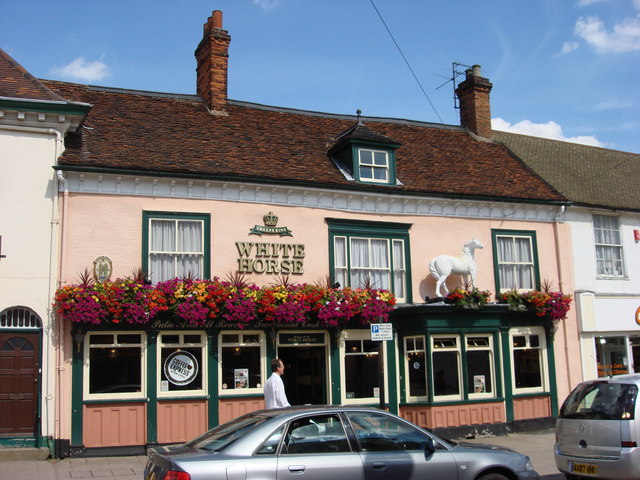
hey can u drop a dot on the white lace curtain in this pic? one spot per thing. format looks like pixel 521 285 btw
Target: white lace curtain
pixel 176 249
pixel 516 263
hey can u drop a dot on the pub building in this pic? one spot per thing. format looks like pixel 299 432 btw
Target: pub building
pixel 186 211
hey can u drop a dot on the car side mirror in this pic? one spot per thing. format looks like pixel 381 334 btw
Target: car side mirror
pixel 429 447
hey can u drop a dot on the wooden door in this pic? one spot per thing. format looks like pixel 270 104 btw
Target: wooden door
pixel 18 383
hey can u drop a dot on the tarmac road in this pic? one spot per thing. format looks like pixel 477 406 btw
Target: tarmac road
pixel 538 445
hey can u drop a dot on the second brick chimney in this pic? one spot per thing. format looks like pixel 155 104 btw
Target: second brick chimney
pixel 475 107
pixel 212 56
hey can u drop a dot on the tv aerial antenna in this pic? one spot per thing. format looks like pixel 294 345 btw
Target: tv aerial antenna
pixel 456 71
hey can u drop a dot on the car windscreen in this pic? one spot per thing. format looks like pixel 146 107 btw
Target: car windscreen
pixel 601 401
pixel 221 436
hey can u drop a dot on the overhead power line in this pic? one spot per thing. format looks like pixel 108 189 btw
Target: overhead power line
pixel 405 60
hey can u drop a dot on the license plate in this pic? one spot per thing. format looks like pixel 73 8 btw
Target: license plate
pixel 584 468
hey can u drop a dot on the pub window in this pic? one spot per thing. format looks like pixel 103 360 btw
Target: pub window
pixel 528 349
pixel 182 364
pixel 360 357
pixel 416 371
pixel 371 254
pixel 241 356
pixel 515 260
pixel 479 356
pixel 175 245
pixel 445 365
pixel 115 366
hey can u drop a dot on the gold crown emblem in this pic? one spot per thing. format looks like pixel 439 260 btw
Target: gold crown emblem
pixel 270 220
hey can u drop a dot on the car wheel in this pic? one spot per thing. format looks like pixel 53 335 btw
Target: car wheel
pixel 493 476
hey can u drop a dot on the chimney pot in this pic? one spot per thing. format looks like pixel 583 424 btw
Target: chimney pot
pixel 216 19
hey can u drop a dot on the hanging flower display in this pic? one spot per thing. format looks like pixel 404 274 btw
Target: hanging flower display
pixel 195 302
pixel 468 298
pixel 545 303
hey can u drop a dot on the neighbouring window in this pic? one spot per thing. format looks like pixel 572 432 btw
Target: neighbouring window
pixel 611 355
pixel 445 365
pixel 115 365
pixel 515 260
pixel 528 351
pixel 361 367
pixel 373 165
pixel 479 356
pixel 609 254
pixel 241 365
pixel 182 363
pixel 371 255
pixel 175 245
pixel 416 367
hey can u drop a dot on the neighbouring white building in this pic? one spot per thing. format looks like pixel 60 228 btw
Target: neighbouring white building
pixel 604 187
pixel 33 123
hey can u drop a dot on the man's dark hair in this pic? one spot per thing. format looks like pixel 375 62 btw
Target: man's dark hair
pixel 275 363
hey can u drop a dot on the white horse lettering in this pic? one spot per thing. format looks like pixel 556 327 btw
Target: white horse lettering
pixel 444 265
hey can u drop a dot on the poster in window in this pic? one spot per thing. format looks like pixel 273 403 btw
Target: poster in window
pixel 181 368
pixel 479 385
pixel 241 376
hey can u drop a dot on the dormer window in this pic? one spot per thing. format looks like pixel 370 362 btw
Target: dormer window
pixel 373 165
pixel 365 156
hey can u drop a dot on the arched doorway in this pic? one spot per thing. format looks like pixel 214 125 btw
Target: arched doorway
pixel 20 332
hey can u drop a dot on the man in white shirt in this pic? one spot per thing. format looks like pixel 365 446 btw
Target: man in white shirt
pixel 274 396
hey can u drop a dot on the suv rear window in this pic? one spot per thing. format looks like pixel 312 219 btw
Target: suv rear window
pixel 601 401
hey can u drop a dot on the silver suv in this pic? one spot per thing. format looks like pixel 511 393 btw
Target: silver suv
pixel 598 430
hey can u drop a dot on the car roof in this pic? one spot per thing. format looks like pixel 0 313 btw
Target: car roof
pixel 631 378
pixel 298 409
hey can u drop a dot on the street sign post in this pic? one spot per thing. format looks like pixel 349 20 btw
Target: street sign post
pixel 381 332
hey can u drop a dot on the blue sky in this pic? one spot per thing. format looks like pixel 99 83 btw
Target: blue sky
pixel 566 69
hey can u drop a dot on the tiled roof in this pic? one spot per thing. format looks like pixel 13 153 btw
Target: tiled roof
pixel 16 82
pixel 176 135
pixel 586 175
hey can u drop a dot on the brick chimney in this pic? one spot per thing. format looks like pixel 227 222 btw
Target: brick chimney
pixel 212 56
pixel 475 107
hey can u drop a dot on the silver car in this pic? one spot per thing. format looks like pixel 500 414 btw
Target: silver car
pixel 332 442
pixel 598 429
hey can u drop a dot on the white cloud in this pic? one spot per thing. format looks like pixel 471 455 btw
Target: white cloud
pixel 266 4
pixel 80 69
pixel 625 36
pixel 584 3
pixel 545 130
pixel 568 47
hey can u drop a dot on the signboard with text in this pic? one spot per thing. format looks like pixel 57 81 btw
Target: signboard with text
pixel 381 332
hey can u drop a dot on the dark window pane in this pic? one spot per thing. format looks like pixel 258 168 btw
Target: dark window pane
pixel 361 375
pixel 417 374
pixel 238 360
pixel 129 338
pixel 102 339
pixel 526 364
pixel 445 376
pixel 170 338
pixel 114 370
pixel 479 372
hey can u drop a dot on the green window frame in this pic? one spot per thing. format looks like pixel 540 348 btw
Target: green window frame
pixel 374 164
pixel 515 260
pixel 176 250
pixel 375 254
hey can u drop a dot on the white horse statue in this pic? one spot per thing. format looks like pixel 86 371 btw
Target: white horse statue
pixel 444 265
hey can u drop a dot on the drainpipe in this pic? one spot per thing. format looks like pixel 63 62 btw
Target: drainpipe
pixel 59 359
pixel 556 234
